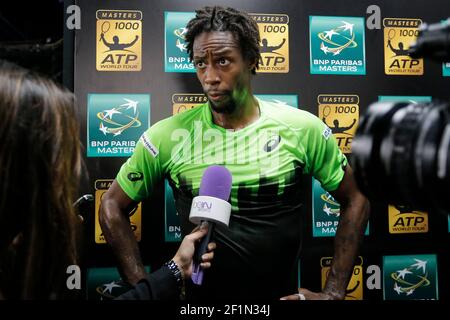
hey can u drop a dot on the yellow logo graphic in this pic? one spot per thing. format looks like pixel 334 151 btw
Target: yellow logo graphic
pixel 329 203
pixel 341 114
pixel 101 186
pixel 119 40
pixel 405 220
pixel 186 101
pixel 180 43
pixel 274 46
pixel 354 289
pixel 398 35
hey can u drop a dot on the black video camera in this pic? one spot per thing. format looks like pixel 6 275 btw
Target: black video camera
pixel 400 153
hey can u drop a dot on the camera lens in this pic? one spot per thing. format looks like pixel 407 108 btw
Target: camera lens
pixel 400 154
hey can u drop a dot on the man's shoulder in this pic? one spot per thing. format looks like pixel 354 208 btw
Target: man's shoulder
pixel 182 120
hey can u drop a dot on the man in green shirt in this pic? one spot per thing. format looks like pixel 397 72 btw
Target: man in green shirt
pixel 267 148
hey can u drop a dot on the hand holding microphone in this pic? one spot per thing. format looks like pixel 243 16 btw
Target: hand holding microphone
pixel 184 256
pixel 211 205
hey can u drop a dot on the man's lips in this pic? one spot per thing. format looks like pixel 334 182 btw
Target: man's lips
pixel 215 95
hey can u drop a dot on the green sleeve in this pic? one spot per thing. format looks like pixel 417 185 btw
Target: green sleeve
pixel 143 169
pixel 324 159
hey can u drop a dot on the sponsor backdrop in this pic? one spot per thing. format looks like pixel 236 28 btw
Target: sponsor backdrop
pixel 332 59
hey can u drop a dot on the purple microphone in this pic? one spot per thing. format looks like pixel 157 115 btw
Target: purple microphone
pixel 211 205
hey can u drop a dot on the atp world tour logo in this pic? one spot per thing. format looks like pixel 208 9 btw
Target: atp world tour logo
pixel 341 114
pixel 399 33
pixel 176 57
pixel 119 40
pixel 410 277
pixel 274 47
pixel 337 45
pixel 115 123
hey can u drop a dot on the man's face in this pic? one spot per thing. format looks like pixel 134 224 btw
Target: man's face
pixel 222 70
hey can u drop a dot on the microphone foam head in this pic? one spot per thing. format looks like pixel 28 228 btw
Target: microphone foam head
pixel 216 182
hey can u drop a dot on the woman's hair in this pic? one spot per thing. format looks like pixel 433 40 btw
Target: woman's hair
pixel 40 166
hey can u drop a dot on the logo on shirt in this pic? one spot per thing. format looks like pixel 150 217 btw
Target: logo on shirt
pixel 135 176
pixel 327 133
pixel 272 143
pixel 149 145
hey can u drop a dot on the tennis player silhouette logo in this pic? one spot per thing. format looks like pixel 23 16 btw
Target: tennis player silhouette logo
pixel 115 44
pixel 400 51
pixel 336 127
pixel 265 48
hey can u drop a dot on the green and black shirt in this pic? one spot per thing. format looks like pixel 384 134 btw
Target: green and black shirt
pixel 256 257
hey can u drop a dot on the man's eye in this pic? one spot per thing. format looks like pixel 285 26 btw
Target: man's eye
pixel 224 62
pixel 199 64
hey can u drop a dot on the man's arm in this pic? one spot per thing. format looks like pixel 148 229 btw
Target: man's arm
pixel 133 42
pixel 115 225
pixel 350 232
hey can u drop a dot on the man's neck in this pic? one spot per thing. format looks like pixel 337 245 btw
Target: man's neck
pixel 243 115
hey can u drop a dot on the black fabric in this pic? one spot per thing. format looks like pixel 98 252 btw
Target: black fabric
pixel 159 285
pixel 257 256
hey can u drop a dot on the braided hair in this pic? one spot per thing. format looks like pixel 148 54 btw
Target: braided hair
pixel 217 18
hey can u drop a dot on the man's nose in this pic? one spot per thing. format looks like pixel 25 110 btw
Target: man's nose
pixel 211 75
